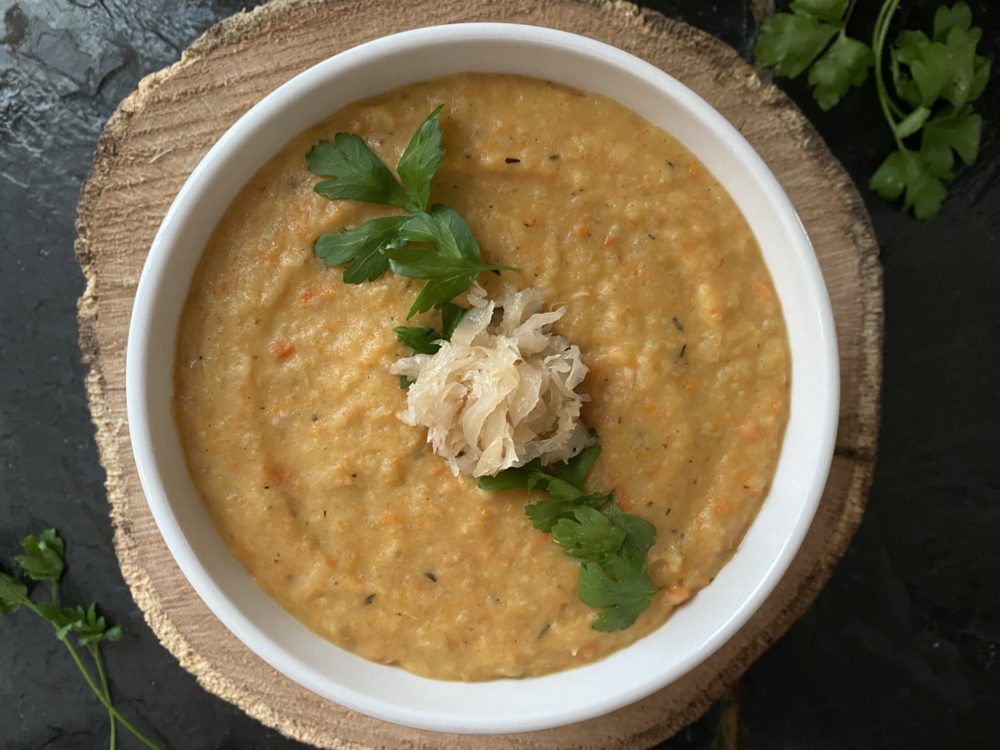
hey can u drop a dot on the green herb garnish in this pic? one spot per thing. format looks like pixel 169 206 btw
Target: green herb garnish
pixel 425 340
pixel 433 243
pixel 362 247
pixel 44 560
pixel 453 265
pixel 589 535
pixel 935 80
pixel 620 586
pixel 791 42
pixel 612 546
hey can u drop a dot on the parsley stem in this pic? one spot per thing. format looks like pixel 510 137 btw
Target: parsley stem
pixel 878 46
pixel 104 700
pixel 846 19
pixel 95 653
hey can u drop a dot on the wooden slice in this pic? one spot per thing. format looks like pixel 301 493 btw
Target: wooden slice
pixel 159 133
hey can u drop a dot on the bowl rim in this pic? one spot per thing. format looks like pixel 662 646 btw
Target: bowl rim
pixel 137 375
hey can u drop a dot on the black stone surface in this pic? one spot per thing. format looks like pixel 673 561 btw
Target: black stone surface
pixel 899 651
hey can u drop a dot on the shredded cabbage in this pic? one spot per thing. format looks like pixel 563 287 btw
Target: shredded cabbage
pixel 502 392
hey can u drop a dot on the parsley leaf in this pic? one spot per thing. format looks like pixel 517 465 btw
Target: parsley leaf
pixel 790 42
pixel 516 478
pixel 951 131
pixel 589 535
pixel 573 471
pixel 959 16
pixel 421 160
pixel 576 469
pixel 450 267
pixel 356 173
pixel 90 627
pixel 639 533
pixel 920 68
pixel 43 556
pixel 908 174
pixel 547 513
pixel 420 340
pixel 961 45
pixel 13 594
pixel 824 10
pixel 926 72
pixel 423 340
pixel 621 586
pixel 612 545
pixel 451 316
pixel 843 65
pixel 363 247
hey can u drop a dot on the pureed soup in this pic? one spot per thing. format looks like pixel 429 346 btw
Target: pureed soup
pixel 287 409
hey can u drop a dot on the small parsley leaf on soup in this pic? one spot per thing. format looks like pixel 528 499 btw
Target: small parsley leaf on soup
pixel 576 469
pixel 639 533
pixel 516 478
pixel 547 513
pixel 363 247
pixel 424 340
pixel 450 264
pixel 451 316
pixel 355 173
pixel 589 535
pixel 620 587
pixel 421 160
pixel 420 340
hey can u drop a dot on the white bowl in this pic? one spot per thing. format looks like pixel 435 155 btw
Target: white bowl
pixel 696 630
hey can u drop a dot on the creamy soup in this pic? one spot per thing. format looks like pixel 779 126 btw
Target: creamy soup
pixel 341 513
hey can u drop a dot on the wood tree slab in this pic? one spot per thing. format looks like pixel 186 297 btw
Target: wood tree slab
pixel 159 133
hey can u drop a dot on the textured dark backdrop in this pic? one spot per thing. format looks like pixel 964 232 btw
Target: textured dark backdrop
pixel 900 650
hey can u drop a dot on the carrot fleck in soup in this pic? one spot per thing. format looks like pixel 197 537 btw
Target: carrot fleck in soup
pixel 289 414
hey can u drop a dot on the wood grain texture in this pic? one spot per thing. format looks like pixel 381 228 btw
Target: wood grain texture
pixel 159 133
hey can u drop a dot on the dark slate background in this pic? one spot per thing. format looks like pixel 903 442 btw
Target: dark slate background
pixel 900 650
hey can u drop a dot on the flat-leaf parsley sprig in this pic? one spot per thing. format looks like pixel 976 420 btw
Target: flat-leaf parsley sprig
pixel 935 80
pixel 938 78
pixel 432 243
pixel 43 560
pixel 610 544
pixel 792 42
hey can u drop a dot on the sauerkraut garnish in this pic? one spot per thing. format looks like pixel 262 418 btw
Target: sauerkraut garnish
pixel 502 391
